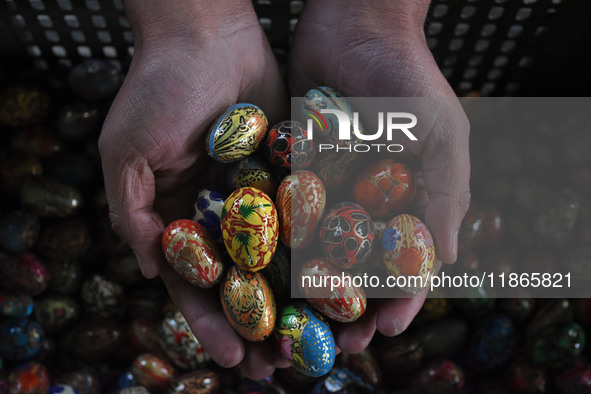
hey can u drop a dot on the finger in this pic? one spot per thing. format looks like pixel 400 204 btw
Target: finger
pixel 201 308
pixel 446 171
pixel 261 359
pixel 354 337
pixel 130 190
pixel 396 314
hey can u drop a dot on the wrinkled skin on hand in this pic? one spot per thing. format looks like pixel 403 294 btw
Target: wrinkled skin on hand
pixel 154 160
pixel 381 52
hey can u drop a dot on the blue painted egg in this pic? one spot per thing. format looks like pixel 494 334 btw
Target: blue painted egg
pixel 493 341
pixel 16 305
pixel 62 389
pixel 306 340
pixel 20 338
pixel 207 211
pixel 18 231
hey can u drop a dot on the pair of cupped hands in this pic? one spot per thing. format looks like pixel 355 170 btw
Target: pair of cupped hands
pixel 191 64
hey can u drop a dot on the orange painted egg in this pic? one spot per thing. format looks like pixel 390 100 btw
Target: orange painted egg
pixel 193 254
pixel 342 301
pixel 301 199
pixel 384 188
pixel 409 251
pixel 248 303
pixel 250 228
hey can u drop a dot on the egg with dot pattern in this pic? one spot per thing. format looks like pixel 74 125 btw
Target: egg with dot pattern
pixel 306 340
pixel 207 210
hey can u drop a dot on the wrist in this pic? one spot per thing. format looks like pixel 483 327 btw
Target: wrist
pixel 376 16
pixel 158 23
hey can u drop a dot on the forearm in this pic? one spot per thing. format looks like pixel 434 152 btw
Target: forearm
pixel 161 21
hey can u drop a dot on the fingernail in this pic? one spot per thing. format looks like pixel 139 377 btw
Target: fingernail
pixel 454 243
pixel 397 324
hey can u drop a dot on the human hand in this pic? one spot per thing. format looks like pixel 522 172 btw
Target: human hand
pixel 192 60
pixel 378 49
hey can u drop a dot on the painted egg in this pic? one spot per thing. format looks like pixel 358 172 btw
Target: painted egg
pixel 301 199
pixel 409 251
pixel 524 377
pixel 365 365
pixel 47 197
pixel 306 340
pixel 55 312
pixel 102 297
pixel 16 170
pixel 95 79
pixel 403 354
pixel 493 341
pixel 278 272
pixel 342 380
pixel 82 380
pixel 434 308
pixel 62 389
pixel 64 275
pixel 342 302
pixel 556 345
pixel 23 106
pixel 248 304
pixel 442 338
pixel 143 334
pixel 18 231
pixel 125 268
pixel 15 305
pixel 384 188
pixel 208 211
pixel 38 141
pixel 553 311
pixel 193 254
pixel 134 390
pixel 30 378
pixel 574 379
pixel 250 228
pixel 346 235
pixel 198 382
pixel 518 309
pixel 65 239
pixel 443 376
pixel 93 340
pixel 237 133
pixel 20 338
pixel 78 121
pixel 25 274
pixel 555 220
pixel 252 172
pixel 288 146
pixel 152 371
pixel 180 344
pixel 126 379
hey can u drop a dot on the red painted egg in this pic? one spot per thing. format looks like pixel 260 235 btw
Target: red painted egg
pixel 342 301
pixel 409 251
pixel 301 199
pixel 346 235
pixel 384 188
pixel 192 253
pixel 288 145
pixel 152 371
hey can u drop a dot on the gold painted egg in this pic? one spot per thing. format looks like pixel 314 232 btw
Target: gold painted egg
pixel 236 133
pixel 250 228
pixel 409 252
pixel 343 301
pixel 193 254
pixel 301 199
pixel 248 303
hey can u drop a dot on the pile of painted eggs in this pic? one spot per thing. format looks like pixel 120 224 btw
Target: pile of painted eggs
pixel 77 316
pixel 275 207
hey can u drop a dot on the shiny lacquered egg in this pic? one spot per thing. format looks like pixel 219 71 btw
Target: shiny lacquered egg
pixel 193 254
pixel 409 251
pixel 346 235
pixel 236 133
pixel 248 303
pixel 250 228
pixel 306 340
pixel 207 210
pixel 342 301
pixel 288 146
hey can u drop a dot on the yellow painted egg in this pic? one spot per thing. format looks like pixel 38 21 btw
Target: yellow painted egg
pixel 250 228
